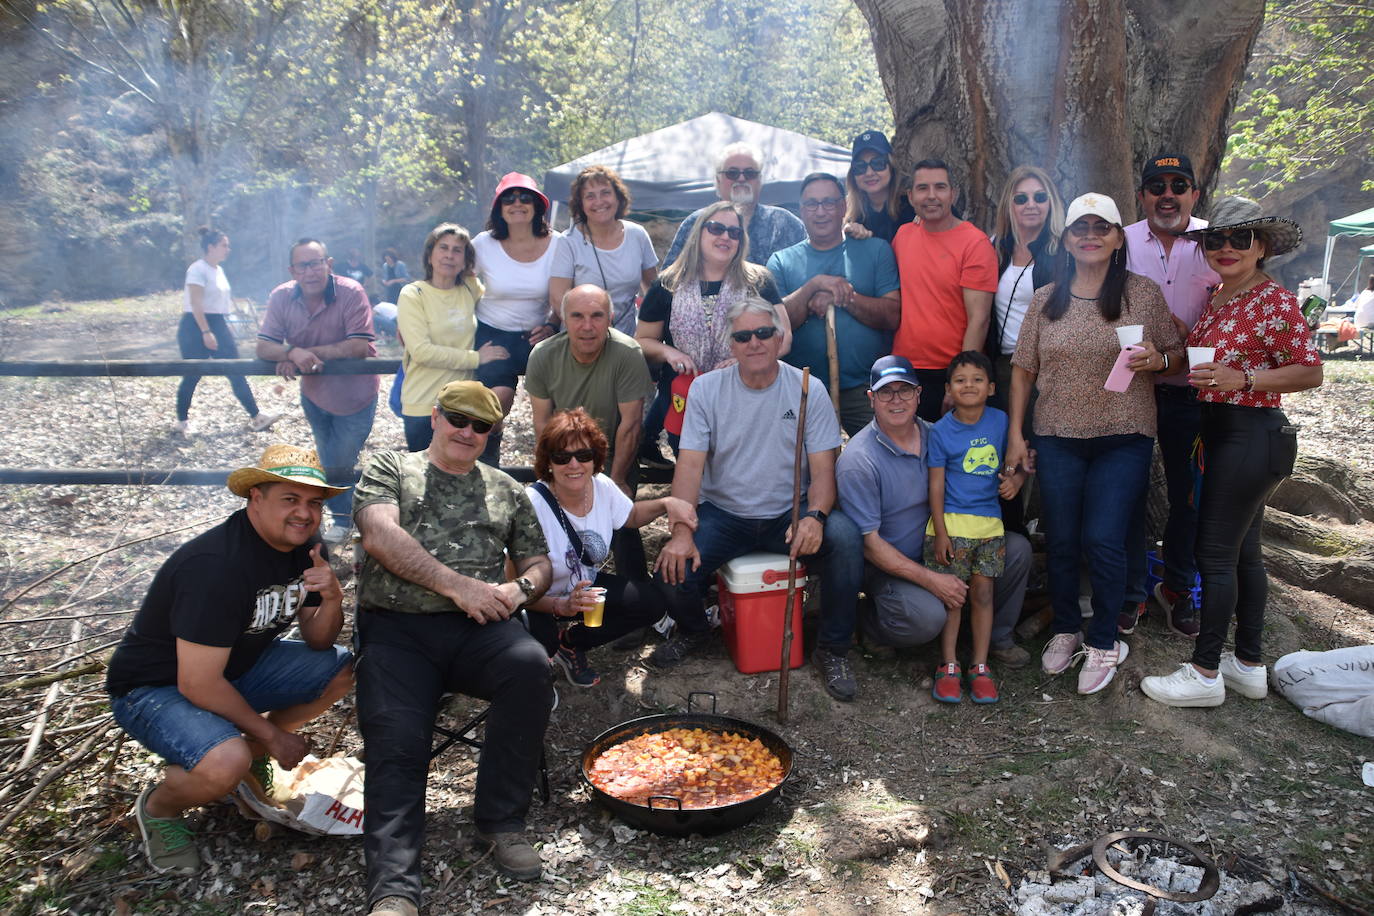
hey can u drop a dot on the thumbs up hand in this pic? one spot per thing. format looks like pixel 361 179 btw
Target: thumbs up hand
pixel 320 576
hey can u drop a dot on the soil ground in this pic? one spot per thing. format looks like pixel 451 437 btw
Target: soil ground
pixel 897 804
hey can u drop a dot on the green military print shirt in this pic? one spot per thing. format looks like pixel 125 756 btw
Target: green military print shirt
pixel 466 521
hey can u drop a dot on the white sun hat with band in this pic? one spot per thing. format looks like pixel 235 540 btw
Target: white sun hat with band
pixel 281 463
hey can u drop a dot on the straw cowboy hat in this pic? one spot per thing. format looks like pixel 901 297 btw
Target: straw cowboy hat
pixel 282 463
pixel 1280 235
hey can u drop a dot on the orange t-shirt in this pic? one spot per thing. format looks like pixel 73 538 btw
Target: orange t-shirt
pixel 935 268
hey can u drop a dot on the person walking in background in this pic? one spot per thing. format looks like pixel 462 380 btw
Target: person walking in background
pixel 394 275
pixel 875 203
pixel 1261 348
pixel 313 318
pixel 355 269
pixel 204 331
pixel 515 257
pixel 437 320
pixel 603 248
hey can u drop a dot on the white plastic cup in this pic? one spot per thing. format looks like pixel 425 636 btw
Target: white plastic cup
pixel 1199 355
pixel 596 615
pixel 1130 334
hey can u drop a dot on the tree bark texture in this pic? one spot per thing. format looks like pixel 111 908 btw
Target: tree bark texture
pixel 1087 89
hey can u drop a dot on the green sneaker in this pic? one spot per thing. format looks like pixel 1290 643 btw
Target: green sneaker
pixel 169 843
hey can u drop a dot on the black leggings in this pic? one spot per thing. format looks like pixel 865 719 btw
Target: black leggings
pixel 193 347
pixel 630 605
pixel 1246 452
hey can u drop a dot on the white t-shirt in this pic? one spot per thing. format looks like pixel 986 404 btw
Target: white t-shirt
pixel 216 300
pixel 1364 309
pixel 610 509
pixel 517 294
pixel 1014 290
pixel 623 267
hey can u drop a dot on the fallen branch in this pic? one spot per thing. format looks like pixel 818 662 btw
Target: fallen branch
pixel 43 680
pixel 47 779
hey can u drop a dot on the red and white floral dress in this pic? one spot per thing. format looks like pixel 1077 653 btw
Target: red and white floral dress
pixel 1262 328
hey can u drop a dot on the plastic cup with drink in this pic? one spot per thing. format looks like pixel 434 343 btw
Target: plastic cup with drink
pixel 597 613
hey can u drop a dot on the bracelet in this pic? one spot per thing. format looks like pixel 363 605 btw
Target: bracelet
pixel 1166 362
pixel 1249 380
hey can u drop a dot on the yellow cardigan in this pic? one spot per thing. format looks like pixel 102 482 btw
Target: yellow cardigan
pixel 438 328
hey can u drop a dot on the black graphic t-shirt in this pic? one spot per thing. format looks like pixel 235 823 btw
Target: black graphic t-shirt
pixel 227 588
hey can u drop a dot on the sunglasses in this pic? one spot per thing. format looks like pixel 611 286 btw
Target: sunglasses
pixel 1177 185
pixel 517 195
pixel 583 456
pixel 1239 239
pixel 1083 228
pixel 715 228
pixel 737 174
pixel 877 164
pixel 1022 199
pixel 762 333
pixel 463 421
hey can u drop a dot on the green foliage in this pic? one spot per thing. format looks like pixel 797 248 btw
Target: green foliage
pixel 1312 105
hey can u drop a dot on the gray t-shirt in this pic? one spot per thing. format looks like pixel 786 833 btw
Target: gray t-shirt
pixel 618 272
pixel 750 436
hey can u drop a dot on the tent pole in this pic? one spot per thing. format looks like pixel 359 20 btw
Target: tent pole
pixel 1326 267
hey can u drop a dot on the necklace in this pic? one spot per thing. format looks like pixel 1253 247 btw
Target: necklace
pixel 1085 298
pixel 586 501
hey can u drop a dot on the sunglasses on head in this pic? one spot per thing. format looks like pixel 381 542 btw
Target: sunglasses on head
pixel 877 164
pixel 517 195
pixel 762 333
pixel 1239 239
pixel 583 456
pixel 737 174
pixel 1083 228
pixel 1177 185
pixel 715 228
pixel 1022 198
pixel 463 421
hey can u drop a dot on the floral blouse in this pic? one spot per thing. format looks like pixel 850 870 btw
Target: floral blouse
pixel 1262 328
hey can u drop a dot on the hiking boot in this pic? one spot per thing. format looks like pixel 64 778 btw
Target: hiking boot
pixel 513 854
pixel 1185 687
pixel 947 686
pixel 631 640
pixel 835 672
pixel 394 906
pixel 169 843
pixel 574 665
pixel 678 649
pixel 263 422
pixel 1250 681
pixel 1100 667
pixel 1183 618
pixel 1130 615
pixel 650 456
pixel 1011 655
pixel 981 687
pixel 1060 652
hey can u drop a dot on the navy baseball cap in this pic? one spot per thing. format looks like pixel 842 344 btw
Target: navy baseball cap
pixel 891 369
pixel 871 139
pixel 1168 164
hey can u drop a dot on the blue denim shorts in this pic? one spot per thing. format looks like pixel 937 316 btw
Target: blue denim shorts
pixel 288 673
pixel 503 373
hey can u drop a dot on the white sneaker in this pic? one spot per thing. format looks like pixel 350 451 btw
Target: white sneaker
pixel 183 428
pixel 1060 652
pixel 263 421
pixel 1249 682
pixel 1100 667
pixel 1185 687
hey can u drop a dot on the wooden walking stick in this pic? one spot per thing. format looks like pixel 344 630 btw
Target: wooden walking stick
pixel 785 668
pixel 832 355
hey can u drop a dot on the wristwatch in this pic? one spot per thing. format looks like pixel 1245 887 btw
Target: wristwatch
pixel 526 586
pixel 818 515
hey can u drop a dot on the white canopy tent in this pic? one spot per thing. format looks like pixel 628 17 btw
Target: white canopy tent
pixel 671 168
pixel 1354 225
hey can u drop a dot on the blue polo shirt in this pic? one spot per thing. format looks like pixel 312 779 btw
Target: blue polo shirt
pixel 886 489
pixel 870 267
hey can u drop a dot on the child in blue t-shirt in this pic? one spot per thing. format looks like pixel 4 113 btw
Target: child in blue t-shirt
pixel 966 477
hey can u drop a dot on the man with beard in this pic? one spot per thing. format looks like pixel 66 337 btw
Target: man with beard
pixel 1168 193
pixel 739 179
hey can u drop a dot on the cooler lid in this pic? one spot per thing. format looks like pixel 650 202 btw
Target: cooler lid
pixel 761 571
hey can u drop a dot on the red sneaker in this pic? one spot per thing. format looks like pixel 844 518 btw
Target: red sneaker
pixel 948 686
pixel 981 687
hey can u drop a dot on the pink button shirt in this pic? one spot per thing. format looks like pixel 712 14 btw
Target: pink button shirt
pixel 1183 275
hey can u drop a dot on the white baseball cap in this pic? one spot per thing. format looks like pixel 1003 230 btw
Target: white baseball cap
pixel 1095 205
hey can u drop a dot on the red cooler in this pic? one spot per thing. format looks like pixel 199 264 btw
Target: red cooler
pixel 753 590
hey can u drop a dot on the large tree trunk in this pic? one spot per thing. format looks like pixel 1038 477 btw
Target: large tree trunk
pixel 1085 88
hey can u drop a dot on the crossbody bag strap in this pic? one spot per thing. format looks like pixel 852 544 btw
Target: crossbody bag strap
pixel 562 517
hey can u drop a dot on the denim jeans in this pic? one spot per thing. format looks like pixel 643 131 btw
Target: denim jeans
pixel 406 663
pixel 1088 492
pixel 720 537
pixel 339 439
pixel 1179 417
pixel 419 432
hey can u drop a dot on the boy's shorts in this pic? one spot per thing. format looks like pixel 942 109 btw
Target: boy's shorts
pixel 972 557
pixel 288 673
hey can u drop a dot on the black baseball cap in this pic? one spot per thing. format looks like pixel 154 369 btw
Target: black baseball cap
pixel 871 139
pixel 1168 164
pixel 891 369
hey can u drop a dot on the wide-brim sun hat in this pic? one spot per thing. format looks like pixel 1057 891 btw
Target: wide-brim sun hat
pixel 281 463
pixel 516 180
pixel 1280 235
pixel 1092 204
